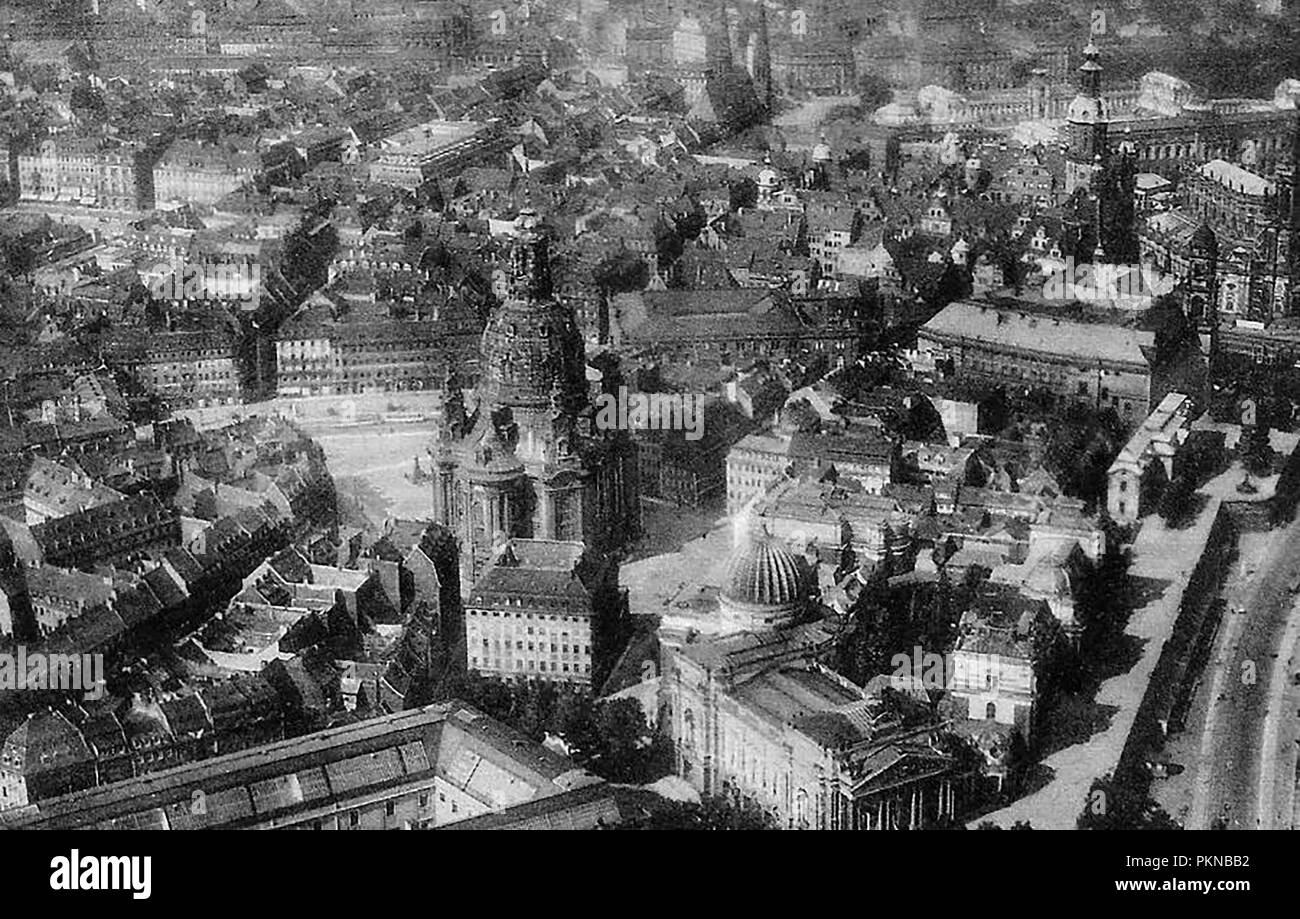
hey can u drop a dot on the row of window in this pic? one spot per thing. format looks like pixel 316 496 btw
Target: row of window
pixel 556 648
pixel 555 667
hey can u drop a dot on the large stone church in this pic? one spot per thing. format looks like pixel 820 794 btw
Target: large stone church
pixel 526 460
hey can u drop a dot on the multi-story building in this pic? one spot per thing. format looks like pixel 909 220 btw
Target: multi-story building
pixel 34 489
pixel 837 524
pixel 751 713
pixel 1004 645
pixel 759 461
pixel 436 149
pixel 186 369
pixel 94 172
pixel 1129 490
pixel 537 611
pixel 416 769
pixel 729 323
pixel 119 532
pixel 58 595
pixel 1090 362
pixel 194 173
pixel 1234 201
pixel 371 350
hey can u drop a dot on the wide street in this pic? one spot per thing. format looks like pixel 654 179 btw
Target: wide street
pixel 1239 741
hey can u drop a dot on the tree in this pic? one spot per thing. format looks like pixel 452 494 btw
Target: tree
pixel 310 247
pixel 1081 446
pixel 714 812
pixel 1105 600
pixel 873 92
pixel 1122 803
pixel 1256 449
pixel 574 719
pixel 626 748
pixel 1178 504
pixel 1173 329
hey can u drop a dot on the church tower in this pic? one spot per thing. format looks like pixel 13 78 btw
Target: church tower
pixel 527 461
pixel 1202 287
pixel 1086 151
pixel 761 70
pixel 1288 204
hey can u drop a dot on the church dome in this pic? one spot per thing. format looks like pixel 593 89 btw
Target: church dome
pixel 531 347
pixel 764 585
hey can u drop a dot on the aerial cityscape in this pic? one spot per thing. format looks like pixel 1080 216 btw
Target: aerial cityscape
pixel 649 414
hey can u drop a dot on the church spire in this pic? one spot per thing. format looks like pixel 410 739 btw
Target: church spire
pixel 1090 72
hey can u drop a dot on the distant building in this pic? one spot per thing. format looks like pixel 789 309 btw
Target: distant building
pixel 415 156
pixel 118 532
pixel 87 171
pixel 759 461
pixel 186 369
pixel 1094 363
pixel 1146 462
pixel 1003 647
pixel 193 173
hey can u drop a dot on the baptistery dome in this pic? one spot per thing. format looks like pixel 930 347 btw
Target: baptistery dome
pixel 764 585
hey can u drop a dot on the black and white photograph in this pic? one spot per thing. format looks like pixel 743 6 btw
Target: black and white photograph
pixel 607 415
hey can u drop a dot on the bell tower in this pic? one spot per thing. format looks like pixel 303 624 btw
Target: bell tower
pixel 1086 151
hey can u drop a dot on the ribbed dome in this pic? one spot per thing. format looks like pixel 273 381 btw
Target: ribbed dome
pixel 763 573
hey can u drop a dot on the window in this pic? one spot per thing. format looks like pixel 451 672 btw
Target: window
pixel 354 818
pixel 390 808
pixel 424 800
pixel 991 710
